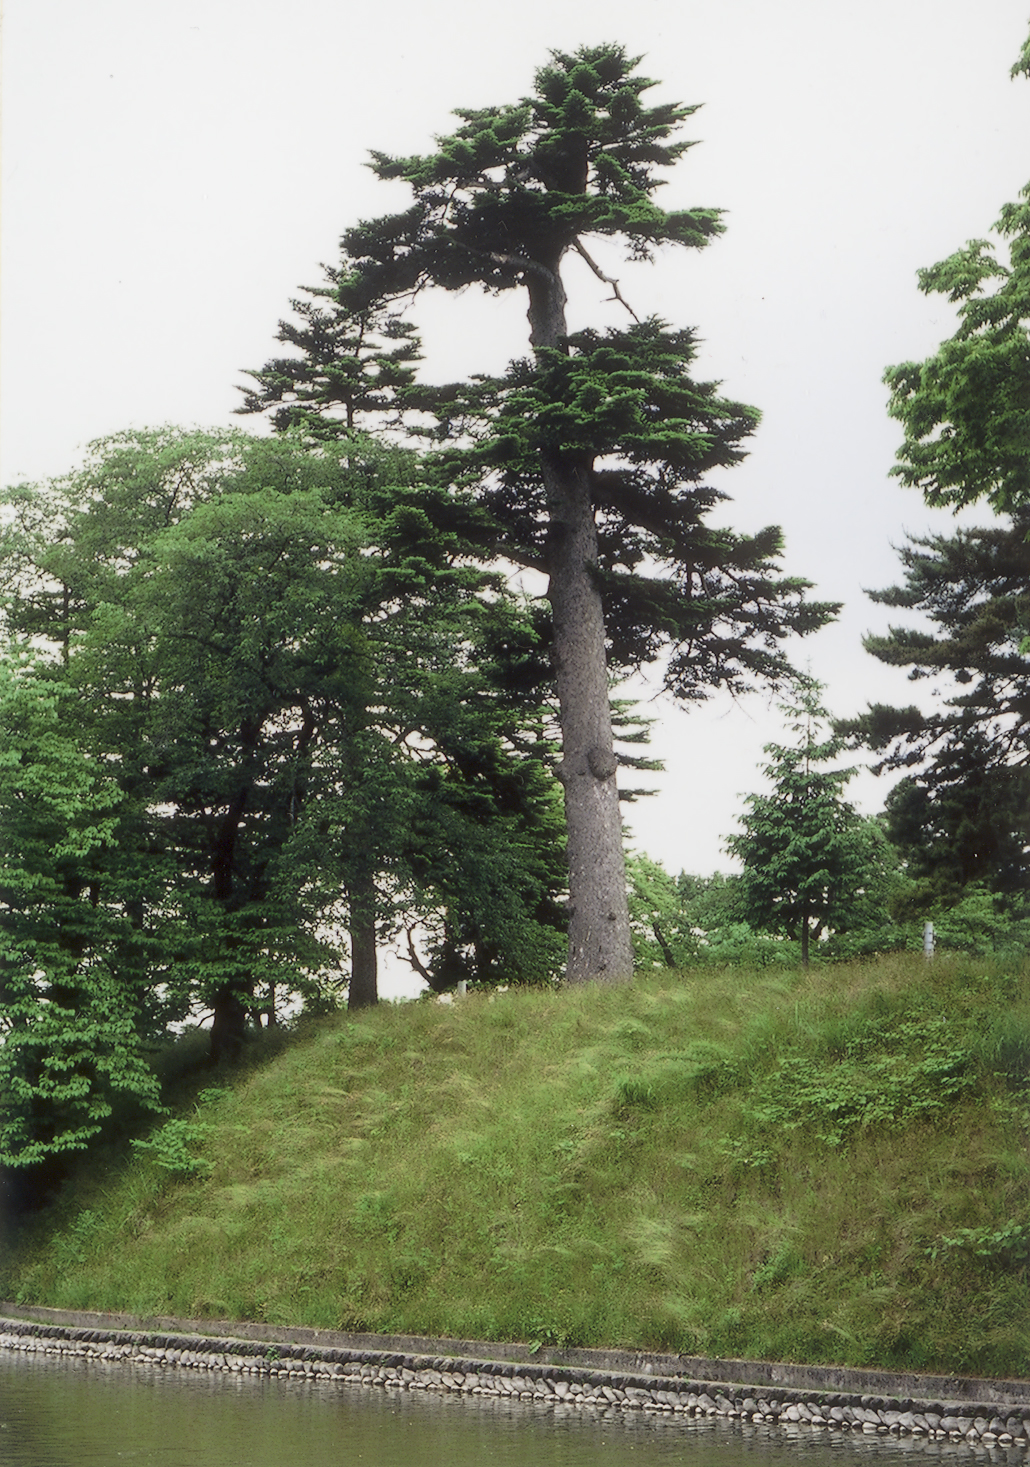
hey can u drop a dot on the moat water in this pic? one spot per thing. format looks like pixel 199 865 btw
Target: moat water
pixel 76 1413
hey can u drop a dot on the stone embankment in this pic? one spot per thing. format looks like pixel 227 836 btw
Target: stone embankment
pixel 1002 1421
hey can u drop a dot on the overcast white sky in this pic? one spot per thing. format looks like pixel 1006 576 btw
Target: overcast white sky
pixel 174 169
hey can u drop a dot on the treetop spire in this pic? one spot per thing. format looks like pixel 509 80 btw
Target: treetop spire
pixel 516 186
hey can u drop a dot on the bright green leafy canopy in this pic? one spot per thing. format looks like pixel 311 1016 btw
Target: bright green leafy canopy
pixel 966 410
pixel 72 1022
pixel 265 709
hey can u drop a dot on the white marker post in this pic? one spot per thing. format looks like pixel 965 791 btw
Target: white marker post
pixel 927 939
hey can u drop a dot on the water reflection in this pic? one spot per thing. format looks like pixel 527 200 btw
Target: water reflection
pixel 78 1413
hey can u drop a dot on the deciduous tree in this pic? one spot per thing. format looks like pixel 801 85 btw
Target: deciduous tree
pixel 287 669
pixel 959 816
pixel 966 409
pixel 73 1023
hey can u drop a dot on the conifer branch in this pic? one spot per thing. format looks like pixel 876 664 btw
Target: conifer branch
pixel 617 293
pixel 517 262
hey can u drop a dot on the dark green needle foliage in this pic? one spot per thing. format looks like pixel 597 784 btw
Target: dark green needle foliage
pixel 708 602
pixel 962 813
pixel 806 853
pixel 346 370
pixel 515 187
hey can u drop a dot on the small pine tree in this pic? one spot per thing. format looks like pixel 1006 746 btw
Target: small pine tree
pixel 802 846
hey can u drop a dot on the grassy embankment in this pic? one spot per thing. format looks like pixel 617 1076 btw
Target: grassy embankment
pixel 831 1167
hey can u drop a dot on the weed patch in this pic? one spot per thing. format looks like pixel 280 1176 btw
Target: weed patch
pixel 1007 1247
pixel 174 1147
pixel 889 1072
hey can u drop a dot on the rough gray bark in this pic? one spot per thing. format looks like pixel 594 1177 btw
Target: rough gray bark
pixel 600 949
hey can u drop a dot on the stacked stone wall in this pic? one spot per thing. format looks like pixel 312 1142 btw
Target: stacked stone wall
pixel 1001 1419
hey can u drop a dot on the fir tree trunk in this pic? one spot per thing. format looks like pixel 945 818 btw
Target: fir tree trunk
pixel 363 991
pixel 599 934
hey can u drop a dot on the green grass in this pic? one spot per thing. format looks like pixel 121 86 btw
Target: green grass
pixel 826 1168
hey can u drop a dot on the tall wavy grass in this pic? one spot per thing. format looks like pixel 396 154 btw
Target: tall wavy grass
pixel 809 1168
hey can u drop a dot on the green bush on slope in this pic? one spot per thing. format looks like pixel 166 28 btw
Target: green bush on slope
pixel 823 1168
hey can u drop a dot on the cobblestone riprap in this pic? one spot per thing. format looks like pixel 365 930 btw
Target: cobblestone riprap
pixel 1004 1424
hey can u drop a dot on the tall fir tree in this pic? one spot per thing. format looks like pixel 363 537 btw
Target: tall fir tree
pixel 590 456
pixel 962 813
pixel 347 368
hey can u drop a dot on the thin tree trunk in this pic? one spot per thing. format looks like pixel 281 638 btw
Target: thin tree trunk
pixel 600 949
pixel 662 941
pixel 363 991
pixel 229 1021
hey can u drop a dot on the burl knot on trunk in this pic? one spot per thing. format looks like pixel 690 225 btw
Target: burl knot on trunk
pixel 603 763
